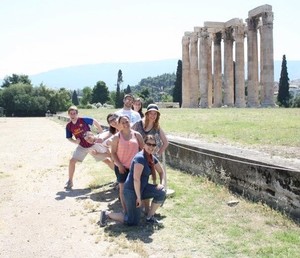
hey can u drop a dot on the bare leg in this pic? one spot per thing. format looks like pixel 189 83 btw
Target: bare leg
pixel 146 204
pixel 153 208
pixel 121 191
pixel 116 216
pixel 72 164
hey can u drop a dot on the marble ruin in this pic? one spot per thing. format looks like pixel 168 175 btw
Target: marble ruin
pixel 205 85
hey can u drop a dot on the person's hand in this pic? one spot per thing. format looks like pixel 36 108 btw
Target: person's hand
pixel 99 140
pixel 121 169
pixel 138 202
pixel 77 141
pixel 160 187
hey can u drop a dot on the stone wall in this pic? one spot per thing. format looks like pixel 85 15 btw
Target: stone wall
pixel 279 187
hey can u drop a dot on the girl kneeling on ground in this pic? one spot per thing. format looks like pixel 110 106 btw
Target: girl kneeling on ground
pixel 138 188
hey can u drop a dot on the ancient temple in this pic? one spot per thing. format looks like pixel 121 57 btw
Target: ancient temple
pixel 210 79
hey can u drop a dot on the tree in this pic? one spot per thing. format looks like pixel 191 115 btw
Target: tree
pixel 128 90
pixel 86 95
pixel 119 97
pixel 161 84
pixel 283 92
pixel 15 79
pixel 100 93
pixel 75 100
pixel 177 92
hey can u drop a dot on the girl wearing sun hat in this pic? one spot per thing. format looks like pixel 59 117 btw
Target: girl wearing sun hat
pixel 150 125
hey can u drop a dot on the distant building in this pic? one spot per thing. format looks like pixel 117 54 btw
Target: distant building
pixel 294 91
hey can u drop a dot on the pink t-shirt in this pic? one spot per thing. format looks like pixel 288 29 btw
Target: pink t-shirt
pixel 127 149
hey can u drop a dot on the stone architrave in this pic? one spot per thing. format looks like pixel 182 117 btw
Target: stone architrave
pixel 268 60
pixel 217 38
pixel 185 70
pixel 194 72
pixel 239 34
pixel 252 89
pixel 228 67
pixel 203 82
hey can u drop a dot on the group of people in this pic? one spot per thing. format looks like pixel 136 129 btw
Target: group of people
pixel 131 148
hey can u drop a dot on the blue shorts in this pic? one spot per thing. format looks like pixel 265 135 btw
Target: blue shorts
pixel 121 178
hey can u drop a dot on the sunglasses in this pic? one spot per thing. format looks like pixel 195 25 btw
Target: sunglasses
pixel 150 144
pixel 112 120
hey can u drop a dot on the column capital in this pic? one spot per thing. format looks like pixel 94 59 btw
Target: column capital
pixel 204 33
pixel 252 23
pixel 227 34
pixel 185 40
pixel 194 37
pixel 239 33
pixel 267 19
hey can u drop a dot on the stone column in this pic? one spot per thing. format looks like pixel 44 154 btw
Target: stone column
pixel 228 68
pixel 203 67
pixel 185 70
pixel 252 89
pixel 217 37
pixel 194 72
pixel 261 65
pixel 209 73
pixel 268 59
pixel 239 34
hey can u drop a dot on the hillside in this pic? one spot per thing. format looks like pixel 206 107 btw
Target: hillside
pixel 77 77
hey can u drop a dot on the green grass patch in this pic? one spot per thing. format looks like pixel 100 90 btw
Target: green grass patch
pixel 273 126
pixel 199 223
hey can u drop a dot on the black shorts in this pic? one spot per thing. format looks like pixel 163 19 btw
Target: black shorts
pixel 121 178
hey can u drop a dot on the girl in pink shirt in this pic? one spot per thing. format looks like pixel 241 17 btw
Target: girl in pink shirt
pixel 125 144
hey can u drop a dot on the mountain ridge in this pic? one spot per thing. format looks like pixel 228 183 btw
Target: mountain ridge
pixel 77 77
pixel 80 76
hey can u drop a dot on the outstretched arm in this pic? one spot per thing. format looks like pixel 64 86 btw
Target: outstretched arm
pixel 96 124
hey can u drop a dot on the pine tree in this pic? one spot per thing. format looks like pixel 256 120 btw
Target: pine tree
pixel 128 90
pixel 119 96
pixel 75 100
pixel 283 92
pixel 177 92
pixel 100 93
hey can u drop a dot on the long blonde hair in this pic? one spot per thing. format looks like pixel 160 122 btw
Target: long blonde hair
pixel 156 122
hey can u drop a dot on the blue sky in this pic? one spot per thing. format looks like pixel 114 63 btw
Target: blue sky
pixel 41 35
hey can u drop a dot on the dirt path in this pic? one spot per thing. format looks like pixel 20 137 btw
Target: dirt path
pixel 37 217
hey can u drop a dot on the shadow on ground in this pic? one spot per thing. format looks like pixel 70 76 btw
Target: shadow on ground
pixel 78 193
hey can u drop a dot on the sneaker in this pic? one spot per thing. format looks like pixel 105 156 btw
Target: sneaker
pixel 153 220
pixel 103 218
pixel 69 185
